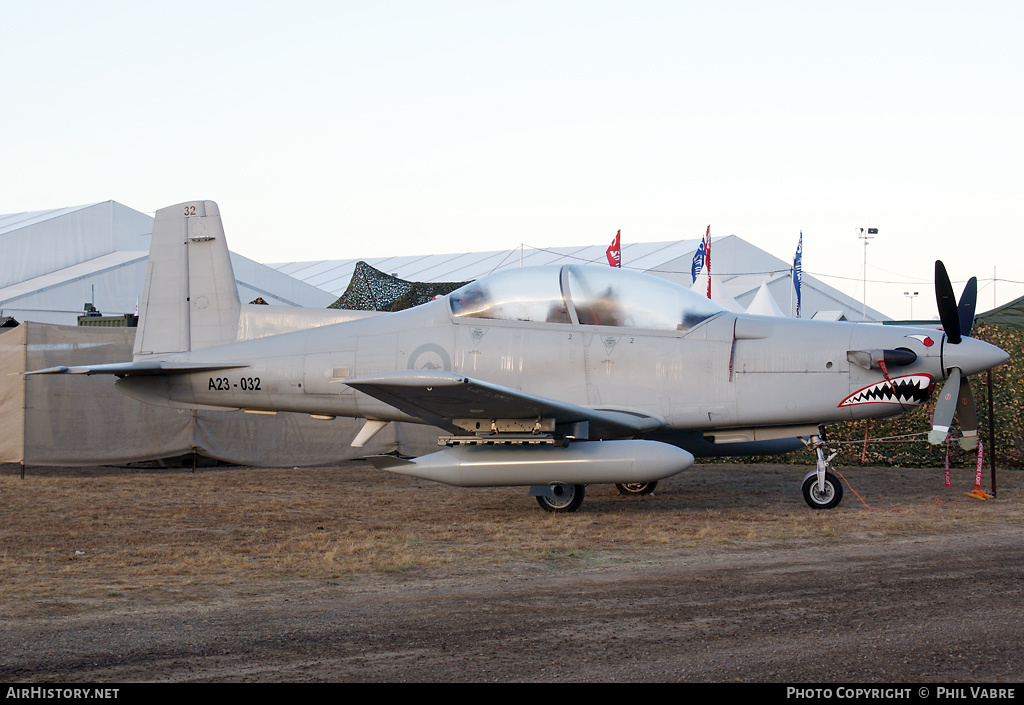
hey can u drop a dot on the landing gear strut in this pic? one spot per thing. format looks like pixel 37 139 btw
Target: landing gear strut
pixel 821 488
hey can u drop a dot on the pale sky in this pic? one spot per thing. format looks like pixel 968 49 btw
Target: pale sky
pixel 330 130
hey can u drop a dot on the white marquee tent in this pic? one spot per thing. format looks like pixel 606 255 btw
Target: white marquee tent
pixel 54 262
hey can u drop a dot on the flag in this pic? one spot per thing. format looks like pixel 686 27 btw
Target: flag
pixel 613 253
pixel 698 262
pixel 798 270
pixel 702 260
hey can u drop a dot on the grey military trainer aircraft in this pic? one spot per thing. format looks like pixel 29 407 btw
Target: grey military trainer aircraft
pixel 549 377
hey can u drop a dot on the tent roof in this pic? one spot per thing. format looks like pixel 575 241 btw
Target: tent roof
pixel 53 259
pixel 1009 314
pixel 9 294
pixel 764 303
pixel 16 221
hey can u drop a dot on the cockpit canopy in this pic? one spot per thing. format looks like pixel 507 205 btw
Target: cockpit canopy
pixel 603 296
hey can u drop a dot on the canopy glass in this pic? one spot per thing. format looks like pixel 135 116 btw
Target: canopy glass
pixel 587 295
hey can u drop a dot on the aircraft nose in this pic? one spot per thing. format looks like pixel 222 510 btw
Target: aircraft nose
pixel 973 356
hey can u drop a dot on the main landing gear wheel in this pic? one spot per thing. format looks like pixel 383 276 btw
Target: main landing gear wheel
pixel 636 488
pixel 817 499
pixel 563 498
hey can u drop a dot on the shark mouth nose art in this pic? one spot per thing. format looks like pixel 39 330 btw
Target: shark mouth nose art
pixel 909 390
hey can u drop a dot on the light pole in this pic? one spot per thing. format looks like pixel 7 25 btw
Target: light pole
pixel 869 235
pixel 911 296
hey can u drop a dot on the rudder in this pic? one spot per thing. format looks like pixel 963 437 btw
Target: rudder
pixel 190 300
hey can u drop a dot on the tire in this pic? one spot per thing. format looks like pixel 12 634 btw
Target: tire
pixel 565 498
pixel 832 496
pixel 636 488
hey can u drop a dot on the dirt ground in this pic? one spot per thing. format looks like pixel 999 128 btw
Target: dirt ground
pixel 119 575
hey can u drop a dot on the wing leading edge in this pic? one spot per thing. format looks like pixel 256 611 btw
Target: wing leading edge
pixel 444 398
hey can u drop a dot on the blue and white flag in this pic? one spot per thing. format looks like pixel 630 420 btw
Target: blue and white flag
pixel 698 262
pixel 798 272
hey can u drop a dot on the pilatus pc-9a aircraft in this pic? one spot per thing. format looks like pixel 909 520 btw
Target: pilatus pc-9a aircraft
pixel 550 377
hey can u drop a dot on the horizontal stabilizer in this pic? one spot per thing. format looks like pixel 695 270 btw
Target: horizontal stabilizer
pixel 143 367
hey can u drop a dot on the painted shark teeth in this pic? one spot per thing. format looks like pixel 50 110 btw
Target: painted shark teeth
pixel 909 390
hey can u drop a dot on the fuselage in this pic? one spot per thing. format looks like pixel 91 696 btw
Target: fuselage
pixel 726 372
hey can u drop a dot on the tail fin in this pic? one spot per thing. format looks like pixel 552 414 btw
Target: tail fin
pixel 190 299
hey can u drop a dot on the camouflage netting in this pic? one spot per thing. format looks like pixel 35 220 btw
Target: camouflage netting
pixel 372 290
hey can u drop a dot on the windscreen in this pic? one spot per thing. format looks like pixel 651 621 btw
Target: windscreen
pixel 527 294
pixel 602 296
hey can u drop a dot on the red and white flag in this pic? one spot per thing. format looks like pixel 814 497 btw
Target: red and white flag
pixel 613 253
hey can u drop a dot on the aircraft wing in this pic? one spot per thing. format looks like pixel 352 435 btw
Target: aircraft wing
pixel 439 398
pixel 142 367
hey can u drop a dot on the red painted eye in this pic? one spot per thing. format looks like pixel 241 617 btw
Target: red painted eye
pixel 928 342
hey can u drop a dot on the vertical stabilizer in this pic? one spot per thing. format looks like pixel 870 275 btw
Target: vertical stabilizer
pixel 190 300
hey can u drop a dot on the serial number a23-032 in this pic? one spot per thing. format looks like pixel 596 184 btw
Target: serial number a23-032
pixel 223 384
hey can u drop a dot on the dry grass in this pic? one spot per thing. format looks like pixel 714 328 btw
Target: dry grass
pixel 73 535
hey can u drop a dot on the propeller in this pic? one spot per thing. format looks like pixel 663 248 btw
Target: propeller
pixel 956 398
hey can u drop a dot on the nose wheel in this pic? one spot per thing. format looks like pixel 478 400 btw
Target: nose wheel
pixel 821 488
pixel 824 496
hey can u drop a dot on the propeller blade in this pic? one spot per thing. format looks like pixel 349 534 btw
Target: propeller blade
pixel 946 302
pixel 967 415
pixel 945 407
pixel 968 300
